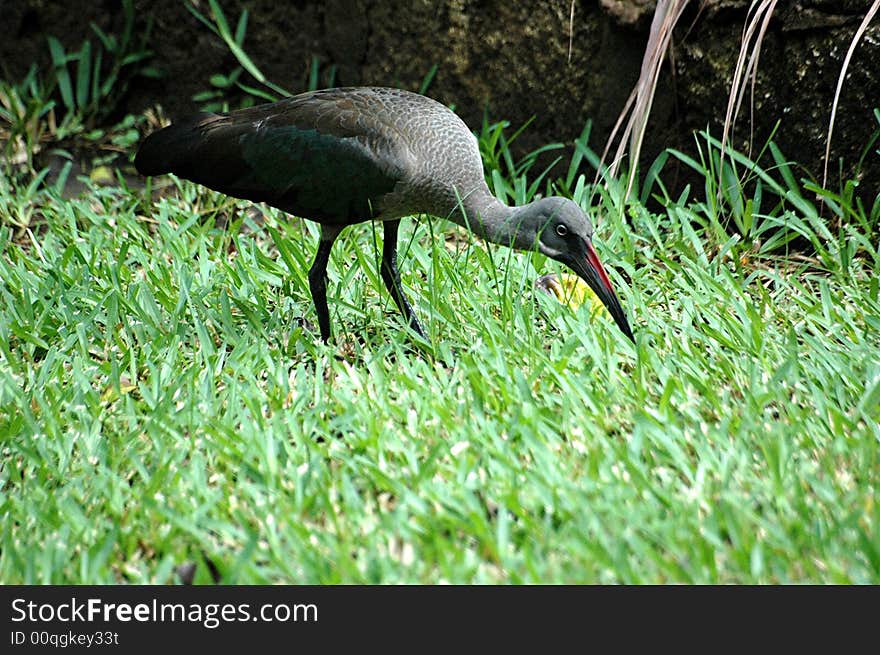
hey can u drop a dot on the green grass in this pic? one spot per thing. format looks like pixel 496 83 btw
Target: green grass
pixel 160 403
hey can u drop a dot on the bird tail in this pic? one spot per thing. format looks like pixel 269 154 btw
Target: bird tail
pixel 171 148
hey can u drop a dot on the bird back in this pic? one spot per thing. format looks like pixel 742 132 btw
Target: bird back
pixel 323 156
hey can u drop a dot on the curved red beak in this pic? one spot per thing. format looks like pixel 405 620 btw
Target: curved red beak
pixel 591 271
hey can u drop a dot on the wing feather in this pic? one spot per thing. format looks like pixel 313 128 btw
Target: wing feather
pixel 326 155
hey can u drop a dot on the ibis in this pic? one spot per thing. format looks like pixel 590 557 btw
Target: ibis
pixel 347 155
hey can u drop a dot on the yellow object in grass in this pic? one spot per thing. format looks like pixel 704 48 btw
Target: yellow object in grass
pixel 102 175
pixel 570 290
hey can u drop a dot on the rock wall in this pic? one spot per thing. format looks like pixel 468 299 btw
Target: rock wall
pixel 518 59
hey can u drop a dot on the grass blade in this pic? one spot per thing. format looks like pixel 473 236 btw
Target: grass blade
pixel 857 37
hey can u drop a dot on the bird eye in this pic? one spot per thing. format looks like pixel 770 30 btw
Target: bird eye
pixel 561 230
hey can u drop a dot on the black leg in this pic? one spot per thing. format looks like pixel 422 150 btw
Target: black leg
pixel 391 276
pixel 318 278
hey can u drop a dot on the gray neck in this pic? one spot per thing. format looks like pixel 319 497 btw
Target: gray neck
pixel 491 219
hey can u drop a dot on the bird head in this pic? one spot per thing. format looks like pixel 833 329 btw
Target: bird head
pixel 564 233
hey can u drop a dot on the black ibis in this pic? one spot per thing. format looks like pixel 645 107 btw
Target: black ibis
pixel 347 155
